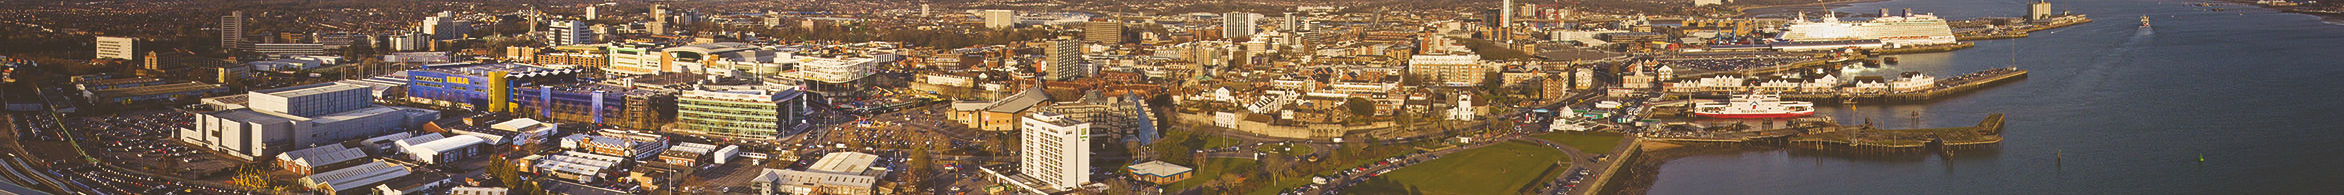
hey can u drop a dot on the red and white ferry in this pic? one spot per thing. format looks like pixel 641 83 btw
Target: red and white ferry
pixel 1754 106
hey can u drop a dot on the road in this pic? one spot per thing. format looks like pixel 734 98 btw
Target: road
pixel 1580 160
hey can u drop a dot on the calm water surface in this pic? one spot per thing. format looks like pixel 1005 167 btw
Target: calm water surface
pixel 2256 92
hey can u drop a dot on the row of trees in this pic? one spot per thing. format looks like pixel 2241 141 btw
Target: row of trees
pixel 255 177
pixel 509 174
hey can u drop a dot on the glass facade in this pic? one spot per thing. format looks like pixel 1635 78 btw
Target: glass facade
pixel 740 114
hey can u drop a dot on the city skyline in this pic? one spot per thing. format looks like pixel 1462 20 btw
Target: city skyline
pixel 1167 97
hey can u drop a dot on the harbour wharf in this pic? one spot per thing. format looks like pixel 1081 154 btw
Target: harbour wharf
pixel 1942 87
pixel 1863 137
pixel 1867 138
pixel 1945 87
pixel 2021 31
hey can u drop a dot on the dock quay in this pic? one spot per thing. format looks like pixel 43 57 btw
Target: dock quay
pixel 1862 137
pixel 1866 138
pixel 1946 87
pixel 2022 31
pixel 1979 37
pixel 1924 48
pixel 1643 155
pixel 1955 85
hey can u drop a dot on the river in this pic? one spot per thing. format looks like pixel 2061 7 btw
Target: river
pixel 2109 108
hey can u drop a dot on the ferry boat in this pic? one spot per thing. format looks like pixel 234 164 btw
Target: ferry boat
pixel 1754 106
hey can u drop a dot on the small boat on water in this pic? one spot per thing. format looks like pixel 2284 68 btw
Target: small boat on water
pixel 2144 21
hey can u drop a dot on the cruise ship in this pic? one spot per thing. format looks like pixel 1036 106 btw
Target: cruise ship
pixel 1892 31
pixel 1754 106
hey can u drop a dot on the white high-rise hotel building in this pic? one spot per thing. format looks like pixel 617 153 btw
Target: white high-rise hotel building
pixel 1055 149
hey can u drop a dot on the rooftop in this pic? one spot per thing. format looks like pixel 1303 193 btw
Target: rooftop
pixel 816 178
pixel 1158 168
pixel 592 87
pixel 844 162
pixel 1019 102
pixel 357 176
pixel 451 143
pixel 483 69
pixel 310 89
pixel 249 116
pixel 366 112
pixel 577 162
pixel 1060 120
pixel 519 124
pixel 321 155
pixel 426 137
pixel 693 148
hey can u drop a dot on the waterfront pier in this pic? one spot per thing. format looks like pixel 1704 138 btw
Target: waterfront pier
pixel 1856 138
pixel 2018 31
pixel 1946 87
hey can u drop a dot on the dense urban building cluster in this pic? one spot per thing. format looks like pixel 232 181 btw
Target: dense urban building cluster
pixel 901 97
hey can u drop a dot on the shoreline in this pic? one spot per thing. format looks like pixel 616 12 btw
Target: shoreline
pixel 1642 171
pixel 2330 18
pixel 2335 18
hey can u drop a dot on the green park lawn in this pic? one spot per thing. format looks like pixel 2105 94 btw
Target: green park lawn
pixel 1211 170
pixel 1590 143
pixel 1498 169
pixel 1280 184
